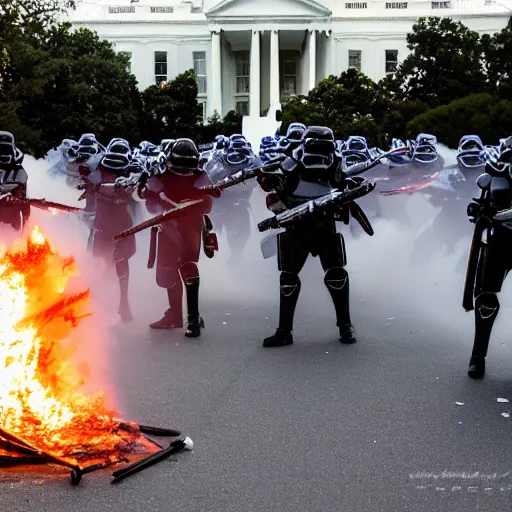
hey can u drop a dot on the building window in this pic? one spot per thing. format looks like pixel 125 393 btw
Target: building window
pixel 288 62
pixel 441 5
pixel 243 66
pixel 391 60
pixel 204 107
pixel 354 59
pixel 356 5
pixel 160 67
pixel 162 10
pixel 121 10
pixel 200 71
pixel 396 5
pixel 242 107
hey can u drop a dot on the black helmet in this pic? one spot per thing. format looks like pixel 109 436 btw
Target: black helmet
pixel 295 132
pixel 117 157
pixel 182 157
pixel 120 146
pixel 88 147
pixel 318 147
pixel 9 153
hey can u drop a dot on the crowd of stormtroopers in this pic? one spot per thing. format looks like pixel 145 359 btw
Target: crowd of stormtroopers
pixel 235 151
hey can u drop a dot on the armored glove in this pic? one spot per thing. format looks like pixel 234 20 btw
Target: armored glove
pixel 272 177
pixel 134 179
pixel 476 209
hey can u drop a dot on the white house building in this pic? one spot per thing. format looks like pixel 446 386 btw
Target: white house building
pixel 250 54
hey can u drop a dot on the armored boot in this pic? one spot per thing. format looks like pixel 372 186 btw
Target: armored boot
pixel 173 317
pixel 195 322
pixel 290 289
pixel 487 307
pixel 337 282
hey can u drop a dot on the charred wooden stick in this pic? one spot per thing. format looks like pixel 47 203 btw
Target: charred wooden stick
pixel 25 460
pixel 99 466
pixel 11 446
pixel 76 470
pixel 174 447
pixel 157 431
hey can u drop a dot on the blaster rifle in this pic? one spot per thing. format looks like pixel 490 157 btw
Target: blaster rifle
pixel 360 167
pixel 322 205
pixel 43 204
pixel 155 221
pixel 242 176
pixel 317 207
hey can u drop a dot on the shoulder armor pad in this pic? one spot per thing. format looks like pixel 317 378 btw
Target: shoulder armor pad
pixel 484 181
pixel 289 164
pixel 22 176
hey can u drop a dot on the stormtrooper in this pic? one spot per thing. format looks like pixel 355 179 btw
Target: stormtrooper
pixel 312 171
pixel 490 257
pixel 13 184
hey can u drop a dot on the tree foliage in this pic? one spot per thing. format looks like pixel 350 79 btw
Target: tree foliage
pixel 445 63
pixel 497 50
pixel 171 109
pixel 484 114
pixel 352 104
pixel 70 83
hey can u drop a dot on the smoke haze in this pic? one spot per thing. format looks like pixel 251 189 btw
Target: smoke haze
pixel 413 266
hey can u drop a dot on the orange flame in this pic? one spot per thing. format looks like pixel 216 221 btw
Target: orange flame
pixel 40 398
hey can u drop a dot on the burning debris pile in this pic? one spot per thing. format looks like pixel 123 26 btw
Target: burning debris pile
pixel 44 416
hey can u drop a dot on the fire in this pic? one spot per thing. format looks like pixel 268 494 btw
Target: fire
pixel 40 397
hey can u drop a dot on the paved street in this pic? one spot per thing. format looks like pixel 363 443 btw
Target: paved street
pixel 316 426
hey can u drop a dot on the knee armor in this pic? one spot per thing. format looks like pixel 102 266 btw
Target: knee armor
pixel 487 306
pixel 290 284
pixel 189 271
pixel 336 278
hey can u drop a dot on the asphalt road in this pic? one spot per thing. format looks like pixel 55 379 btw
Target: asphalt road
pixel 316 426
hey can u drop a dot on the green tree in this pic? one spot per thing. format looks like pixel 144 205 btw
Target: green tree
pixel 232 123
pixel 210 129
pixel 345 99
pixel 171 109
pixel 484 114
pixel 27 19
pixel 69 83
pixel 497 49
pixel 353 104
pixel 298 109
pixel 445 63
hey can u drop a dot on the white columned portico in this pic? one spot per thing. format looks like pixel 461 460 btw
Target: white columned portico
pixel 312 59
pixel 275 93
pixel 254 88
pixel 216 81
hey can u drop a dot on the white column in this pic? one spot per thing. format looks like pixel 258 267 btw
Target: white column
pixel 275 95
pixel 255 97
pixel 215 84
pixel 312 59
